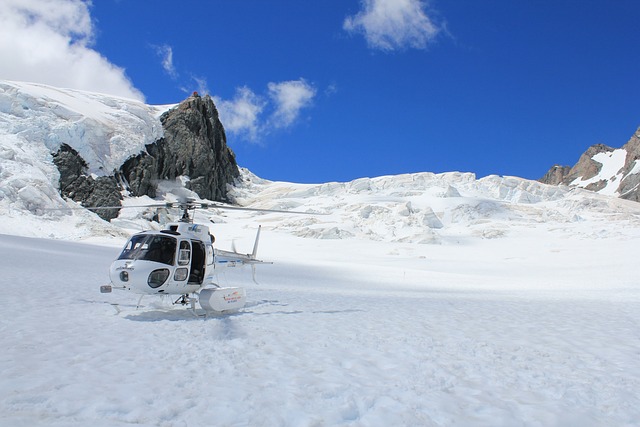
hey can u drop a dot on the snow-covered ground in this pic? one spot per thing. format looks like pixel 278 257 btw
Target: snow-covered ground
pixel 417 300
pixel 432 300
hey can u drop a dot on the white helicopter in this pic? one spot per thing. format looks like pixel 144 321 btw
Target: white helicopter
pixel 181 260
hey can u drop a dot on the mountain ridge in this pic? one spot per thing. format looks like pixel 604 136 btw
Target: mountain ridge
pixel 603 169
pixel 424 208
pixel 102 145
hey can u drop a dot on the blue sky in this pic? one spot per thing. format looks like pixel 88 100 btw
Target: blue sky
pixel 333 90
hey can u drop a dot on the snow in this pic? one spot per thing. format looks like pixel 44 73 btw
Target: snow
pixel 419 299
pixel 515 313
pixel 537 328
pixel 104 129
pixel 36 119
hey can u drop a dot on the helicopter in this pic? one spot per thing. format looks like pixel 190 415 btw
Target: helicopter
pixel 181 260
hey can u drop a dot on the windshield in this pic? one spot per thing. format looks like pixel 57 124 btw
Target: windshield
pixel 150 248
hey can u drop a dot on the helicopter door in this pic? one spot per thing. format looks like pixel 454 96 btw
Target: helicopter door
pixel 198 258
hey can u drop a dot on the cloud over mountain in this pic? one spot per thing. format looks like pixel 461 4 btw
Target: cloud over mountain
pixel 248 114
pixel 51 42
pixel 241 115
pixel 165 53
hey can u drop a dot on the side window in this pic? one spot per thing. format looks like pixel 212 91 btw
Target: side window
pixel 184 257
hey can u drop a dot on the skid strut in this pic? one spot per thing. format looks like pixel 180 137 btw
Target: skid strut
pixel 187 300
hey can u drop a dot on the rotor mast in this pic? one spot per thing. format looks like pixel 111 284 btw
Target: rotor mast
pixel 186 207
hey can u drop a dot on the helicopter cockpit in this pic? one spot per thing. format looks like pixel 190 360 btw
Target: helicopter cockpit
pixel 150 248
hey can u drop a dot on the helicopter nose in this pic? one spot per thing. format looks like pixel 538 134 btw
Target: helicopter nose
pixel 139 276
pixel 121 273
pixel 124 276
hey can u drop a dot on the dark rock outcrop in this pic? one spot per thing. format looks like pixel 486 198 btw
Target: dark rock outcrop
pixel 194 145
pixel 77 185
pixel 555 175
pixel 630 185
pixel 587 168
pixel 140 173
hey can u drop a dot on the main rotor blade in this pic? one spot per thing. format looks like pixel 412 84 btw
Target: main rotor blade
pixel 69 208
pixel 189 205
pixel 240 208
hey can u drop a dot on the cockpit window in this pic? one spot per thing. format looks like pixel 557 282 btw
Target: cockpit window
pixel 150 248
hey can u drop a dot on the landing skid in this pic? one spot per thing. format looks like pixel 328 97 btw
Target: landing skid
pixel 213 301
pixel 187 300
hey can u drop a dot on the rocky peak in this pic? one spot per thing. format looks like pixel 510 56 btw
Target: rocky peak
pixel 630 184
pixel 587 167
pixel 622 176
pixel 194 145
pixel 555 175
pixel 633 149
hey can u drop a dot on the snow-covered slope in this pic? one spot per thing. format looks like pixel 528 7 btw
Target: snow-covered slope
pixel 536 328
pixel 36 119
pixel 105 130
pixel 432 208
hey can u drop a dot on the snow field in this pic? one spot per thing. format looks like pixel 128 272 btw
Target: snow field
pixel 477 334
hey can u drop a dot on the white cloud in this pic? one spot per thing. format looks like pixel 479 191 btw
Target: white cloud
pixel 241 115
pixel 165 52
pixel 393 24
pixel 49 41
pixel 331 89
pixel 251 116
pixel 290 98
